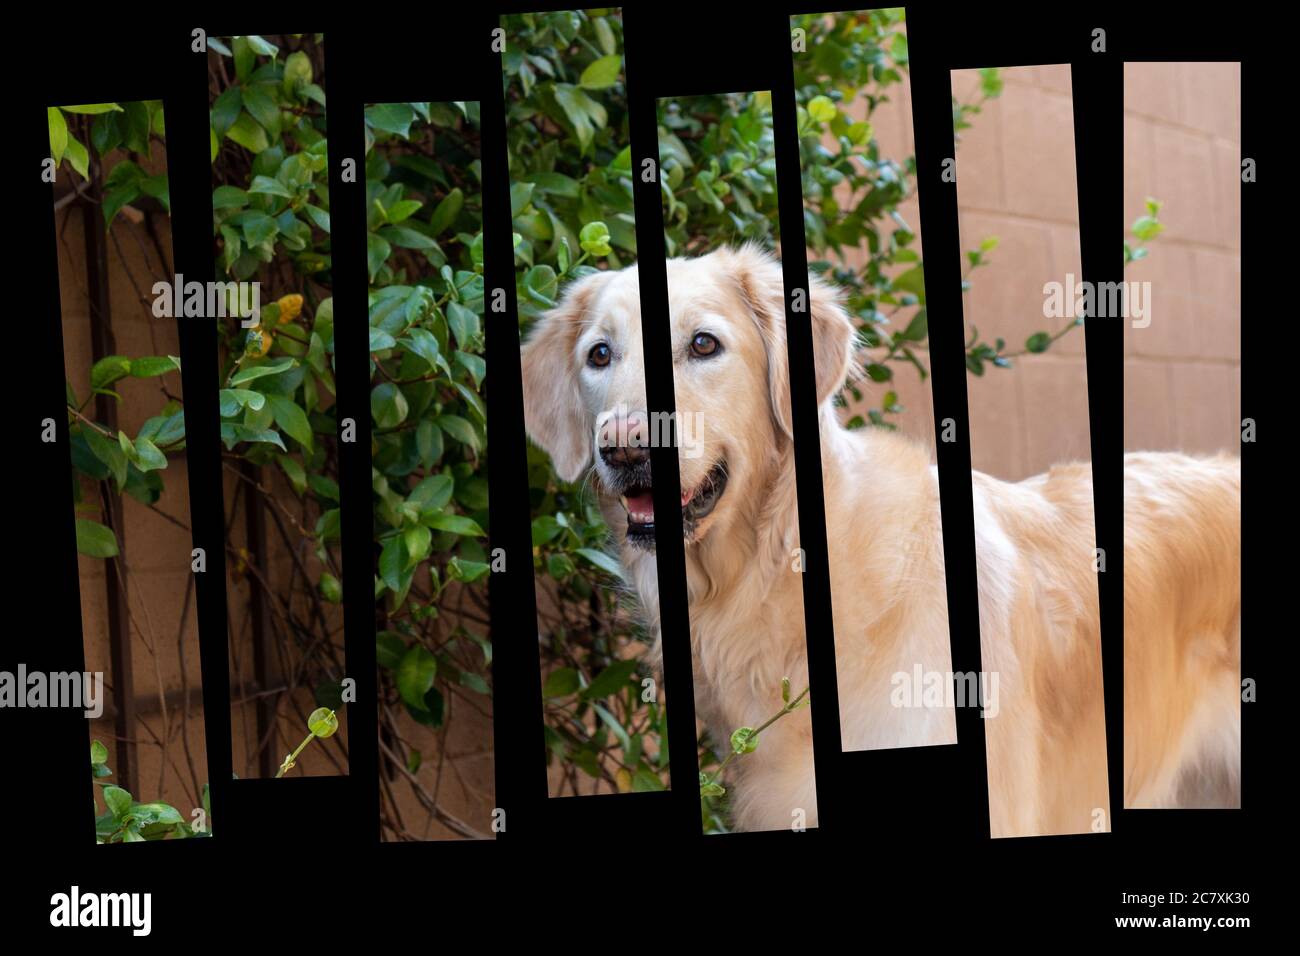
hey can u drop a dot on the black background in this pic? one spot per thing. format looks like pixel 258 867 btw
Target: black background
pixel 902 851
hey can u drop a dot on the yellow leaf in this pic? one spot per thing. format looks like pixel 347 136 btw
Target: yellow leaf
pixel 290 307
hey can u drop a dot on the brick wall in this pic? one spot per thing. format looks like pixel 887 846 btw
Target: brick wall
pixel 1182 144
pixel 1016 181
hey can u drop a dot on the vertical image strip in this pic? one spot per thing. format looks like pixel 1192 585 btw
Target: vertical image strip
pixel 1182 435
pixel 571 198
pixel 273 307
pixel 425 246
pixel 1030 446
pixel 862 236
pixel 738 493
pixel 141 688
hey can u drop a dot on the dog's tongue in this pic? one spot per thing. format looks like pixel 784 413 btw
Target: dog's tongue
pixel 642 503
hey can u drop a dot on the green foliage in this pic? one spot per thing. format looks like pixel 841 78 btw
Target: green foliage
pixel 719 171
pixel 428 419
pixel 425 244
pixel 121 138
pixel 570 158
pixel 127 821
pixel 124 131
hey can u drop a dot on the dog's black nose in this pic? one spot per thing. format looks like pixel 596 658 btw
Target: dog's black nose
pixel 623 438
pixel 624 456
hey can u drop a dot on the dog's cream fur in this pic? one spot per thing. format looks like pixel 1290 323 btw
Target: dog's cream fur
pixel 1035 550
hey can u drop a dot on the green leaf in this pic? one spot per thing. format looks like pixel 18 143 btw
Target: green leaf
pixel 330 588
pixel 602 560
pixel 392 563
pixel 913 281
pixel 643 781
pixel 389 648
pixel 403 209
pixel 456 524
pixel 58 134
pixel 294 471
pixel 260 46
pixel 393 118
pixel 248 133
pixel 253 372
pixel 93 108
pixel 423 343
pixel 415 674
pixel 108 452
pixel 822 109
pixel 297 71
pixel 433 493
pixel 388 406
pixel 465 571
pixel 231 400
pixel 377 253
pixel 150 366
pixel 611 680
pixel 601 73
pixel 266 186
pixel 405 237
pixel 95 539
pixel 445 213
pixel 118 801
pixel 464 324
pixel 561 683
pixel 416 538
pixel 428 442
pixel 1038 342
pixel 77 156
pixel 109 369
pixel 148 457
pixel 226 109
pixel 459 429
pixel 291 419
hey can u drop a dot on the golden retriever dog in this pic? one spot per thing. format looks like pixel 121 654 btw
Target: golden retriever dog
pixel 584 394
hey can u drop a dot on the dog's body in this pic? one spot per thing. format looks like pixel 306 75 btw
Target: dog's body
pixel 1035 549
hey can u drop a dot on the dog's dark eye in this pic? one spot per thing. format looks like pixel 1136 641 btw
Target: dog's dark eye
pixel 705 345
pixel 599 355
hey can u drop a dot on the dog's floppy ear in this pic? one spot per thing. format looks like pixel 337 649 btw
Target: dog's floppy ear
pixel 833 335
pixel 554 415
pixel 762 287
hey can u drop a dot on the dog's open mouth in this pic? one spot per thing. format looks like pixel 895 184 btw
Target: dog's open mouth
pixel 697 504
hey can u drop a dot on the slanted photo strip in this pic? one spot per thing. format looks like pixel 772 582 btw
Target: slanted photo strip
pixel 130 494
pixel 279 430
pixel 424 220
pixel 864 250
pixel 1183 430
pixel 735 453
pixel 604 717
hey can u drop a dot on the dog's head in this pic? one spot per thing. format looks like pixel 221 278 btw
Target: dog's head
pixel 584 384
